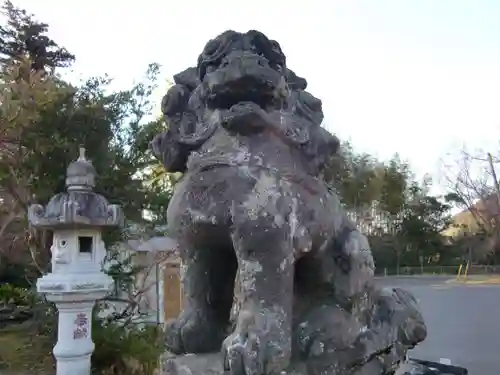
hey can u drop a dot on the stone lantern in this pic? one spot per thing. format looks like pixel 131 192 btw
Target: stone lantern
pixel 76 218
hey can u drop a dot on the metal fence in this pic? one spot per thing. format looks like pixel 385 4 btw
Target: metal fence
pixel 438 270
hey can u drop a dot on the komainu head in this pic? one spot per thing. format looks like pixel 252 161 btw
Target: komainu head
pixel 243 72
pixel 242 84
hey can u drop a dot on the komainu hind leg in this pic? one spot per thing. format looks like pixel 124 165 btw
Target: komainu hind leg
pixel 353 272
pixel 332 340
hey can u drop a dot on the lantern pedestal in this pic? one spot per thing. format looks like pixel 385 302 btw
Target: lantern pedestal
pixel 74 298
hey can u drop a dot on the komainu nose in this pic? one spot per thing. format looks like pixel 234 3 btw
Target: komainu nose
pixel 245 58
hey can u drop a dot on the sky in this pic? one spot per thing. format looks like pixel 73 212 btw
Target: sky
pixel 420 78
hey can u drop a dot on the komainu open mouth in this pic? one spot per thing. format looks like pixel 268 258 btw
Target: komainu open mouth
pixel 229 99
pixel 225 92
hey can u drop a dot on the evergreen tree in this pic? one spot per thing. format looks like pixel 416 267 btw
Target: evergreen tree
pixel 24 37
pixel 44 120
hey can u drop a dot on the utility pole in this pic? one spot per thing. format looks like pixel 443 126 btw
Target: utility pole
pixel 497 193
pixel 496 184
pixel 495 179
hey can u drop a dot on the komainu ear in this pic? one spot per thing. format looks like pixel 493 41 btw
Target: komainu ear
pixel 188 78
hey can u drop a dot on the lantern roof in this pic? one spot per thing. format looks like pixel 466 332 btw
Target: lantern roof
pixel 79 205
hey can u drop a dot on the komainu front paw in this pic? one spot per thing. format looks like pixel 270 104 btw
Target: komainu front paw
pixel 193 332
pixel 257 347
pixel 244 354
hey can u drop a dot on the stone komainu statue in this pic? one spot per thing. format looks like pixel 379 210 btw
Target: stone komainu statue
pixel 248 138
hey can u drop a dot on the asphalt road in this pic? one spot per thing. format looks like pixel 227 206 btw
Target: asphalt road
pixel 463 322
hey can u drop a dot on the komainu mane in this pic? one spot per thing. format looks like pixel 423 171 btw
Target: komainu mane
pixel 248 138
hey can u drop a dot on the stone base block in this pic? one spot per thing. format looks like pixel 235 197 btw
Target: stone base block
pixel 211 364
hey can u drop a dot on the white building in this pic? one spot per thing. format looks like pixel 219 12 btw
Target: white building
pixel 157 293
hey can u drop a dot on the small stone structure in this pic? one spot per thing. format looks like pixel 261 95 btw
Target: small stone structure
pixel 76 218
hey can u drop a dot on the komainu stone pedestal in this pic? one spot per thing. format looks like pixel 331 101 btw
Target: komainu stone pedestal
pixel 211 364
pixel 205 364
pixel 191 364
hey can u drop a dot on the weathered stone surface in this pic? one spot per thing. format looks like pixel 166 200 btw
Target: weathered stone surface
pixel 248 138
pixel 211 364
pixel 417 367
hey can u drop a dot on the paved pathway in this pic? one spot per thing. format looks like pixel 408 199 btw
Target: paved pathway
pixel 463 321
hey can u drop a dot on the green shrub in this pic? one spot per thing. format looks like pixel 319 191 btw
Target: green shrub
pixel 130 350
pixel 12 295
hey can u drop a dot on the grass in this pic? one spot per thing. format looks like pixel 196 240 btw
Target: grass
pixel 22 353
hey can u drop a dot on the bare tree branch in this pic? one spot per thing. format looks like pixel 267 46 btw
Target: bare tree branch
pixel 470 178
